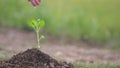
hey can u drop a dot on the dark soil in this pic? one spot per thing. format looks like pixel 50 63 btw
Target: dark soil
pixel 33 58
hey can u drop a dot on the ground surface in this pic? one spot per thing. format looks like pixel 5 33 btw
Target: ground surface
pixel 33 58
pixel 15 41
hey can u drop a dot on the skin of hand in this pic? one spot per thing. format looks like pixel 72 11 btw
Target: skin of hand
pixel 35 2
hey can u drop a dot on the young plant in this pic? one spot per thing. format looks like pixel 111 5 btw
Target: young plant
pixel 37 25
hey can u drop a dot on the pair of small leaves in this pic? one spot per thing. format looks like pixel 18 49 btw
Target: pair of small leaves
pixel 37 24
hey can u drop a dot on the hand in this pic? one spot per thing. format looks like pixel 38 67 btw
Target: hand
pixel 35 2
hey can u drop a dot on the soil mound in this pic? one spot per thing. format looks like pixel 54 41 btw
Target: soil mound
pixel 33 58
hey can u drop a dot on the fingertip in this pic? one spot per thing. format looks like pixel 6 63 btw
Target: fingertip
pixel 36 2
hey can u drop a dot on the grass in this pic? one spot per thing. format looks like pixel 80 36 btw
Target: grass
pixel 96 65
pixel 94 19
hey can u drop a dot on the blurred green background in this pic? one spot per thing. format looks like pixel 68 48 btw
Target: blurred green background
pixel 92 19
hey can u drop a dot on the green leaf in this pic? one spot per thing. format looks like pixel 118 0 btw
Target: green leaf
pixel 41 23
pixel 42 37
pixel 34 23
pixel 30 24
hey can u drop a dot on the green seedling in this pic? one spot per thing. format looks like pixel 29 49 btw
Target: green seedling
pixel 37 25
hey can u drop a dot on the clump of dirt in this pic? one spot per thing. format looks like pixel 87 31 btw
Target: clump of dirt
pixel 33 58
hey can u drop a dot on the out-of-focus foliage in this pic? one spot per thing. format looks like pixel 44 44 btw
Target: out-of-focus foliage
pixel 94 19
